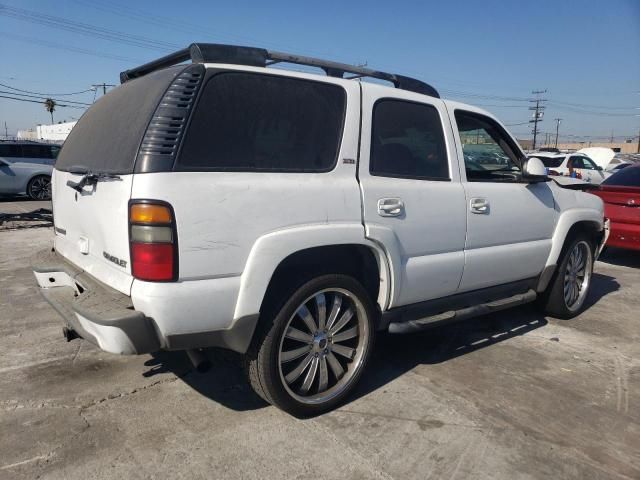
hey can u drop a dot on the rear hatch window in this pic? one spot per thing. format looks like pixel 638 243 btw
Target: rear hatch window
pixel 107 137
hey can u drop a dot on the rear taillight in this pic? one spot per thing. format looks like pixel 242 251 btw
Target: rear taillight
pixel 152 236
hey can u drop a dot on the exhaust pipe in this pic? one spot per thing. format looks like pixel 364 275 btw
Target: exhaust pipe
pixel 69 334
pixel 199 361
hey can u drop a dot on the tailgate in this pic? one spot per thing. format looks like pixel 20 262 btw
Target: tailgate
pixel 91 227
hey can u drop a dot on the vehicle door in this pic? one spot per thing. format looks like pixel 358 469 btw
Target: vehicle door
pixel 509 223
pixel 413 202
pixel 587 168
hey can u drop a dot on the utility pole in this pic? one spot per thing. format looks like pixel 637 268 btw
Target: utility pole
pixel 638 141
pixel 558 120
pixel 104 87
pixel 538 113
pixel 6 132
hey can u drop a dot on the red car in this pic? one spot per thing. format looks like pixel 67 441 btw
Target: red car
pixel 621 195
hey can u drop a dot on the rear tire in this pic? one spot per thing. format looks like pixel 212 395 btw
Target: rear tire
pixel 567 292
pixel 312 345
pixel 39 188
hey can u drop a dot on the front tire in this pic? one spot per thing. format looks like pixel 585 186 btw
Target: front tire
pixel 311 347
pixel 566 294
pixel 39 188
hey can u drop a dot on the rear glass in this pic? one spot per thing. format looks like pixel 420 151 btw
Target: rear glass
pixel 107 137
pixel 255 122
pixel 550 162
pixel 627 177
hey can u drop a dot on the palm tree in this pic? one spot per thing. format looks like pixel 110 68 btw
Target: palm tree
pixel 50 105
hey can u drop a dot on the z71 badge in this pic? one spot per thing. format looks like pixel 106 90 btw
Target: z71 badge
pixel 116 260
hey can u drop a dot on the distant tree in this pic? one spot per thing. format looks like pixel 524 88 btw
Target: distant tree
pixel 50 105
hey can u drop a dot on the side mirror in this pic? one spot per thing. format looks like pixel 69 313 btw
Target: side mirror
pixel 599 168
pixel 534 170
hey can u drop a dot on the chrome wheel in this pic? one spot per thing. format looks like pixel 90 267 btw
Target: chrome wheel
pixel 322 346
pixel 577 275
pixel 40 188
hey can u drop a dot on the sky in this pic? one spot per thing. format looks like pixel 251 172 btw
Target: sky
pixel 585 54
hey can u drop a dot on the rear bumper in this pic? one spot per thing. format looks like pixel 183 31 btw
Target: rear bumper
pixel 99 314
pixel 624 235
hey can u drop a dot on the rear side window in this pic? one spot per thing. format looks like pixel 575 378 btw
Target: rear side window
pixel 10 151
pixel 408 141
pixel 255 122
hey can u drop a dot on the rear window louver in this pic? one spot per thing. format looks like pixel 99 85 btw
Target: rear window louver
pixel 161 141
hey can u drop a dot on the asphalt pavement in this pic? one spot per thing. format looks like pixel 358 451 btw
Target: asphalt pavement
pixel 506 396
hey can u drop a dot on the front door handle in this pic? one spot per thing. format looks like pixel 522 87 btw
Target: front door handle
pixel 390 207
pixel 479 205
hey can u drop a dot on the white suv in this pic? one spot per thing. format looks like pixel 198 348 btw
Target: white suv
pixel 289 216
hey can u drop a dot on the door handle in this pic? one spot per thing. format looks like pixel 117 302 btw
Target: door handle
pixel 390 207
pixel 479 205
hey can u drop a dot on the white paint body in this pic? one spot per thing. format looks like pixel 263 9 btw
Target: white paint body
pixel 235 228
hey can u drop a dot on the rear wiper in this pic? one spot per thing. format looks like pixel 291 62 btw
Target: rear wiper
pixel 89 178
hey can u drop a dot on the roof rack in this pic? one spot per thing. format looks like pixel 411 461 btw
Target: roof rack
pixel 260 57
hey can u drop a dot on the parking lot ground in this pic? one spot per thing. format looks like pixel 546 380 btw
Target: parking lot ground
pixel 506 396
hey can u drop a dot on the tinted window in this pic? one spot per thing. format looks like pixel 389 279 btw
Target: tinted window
pixel 36 151
pixel 107 136
pixel 408 141
pixel 489 153
pixel 628 177
pixel 10 151
pixel 254 122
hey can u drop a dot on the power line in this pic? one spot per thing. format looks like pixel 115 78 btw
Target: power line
pixel 44 98
pixel 46 94
pixel 36 101
pixel 59 46
pixel 86 29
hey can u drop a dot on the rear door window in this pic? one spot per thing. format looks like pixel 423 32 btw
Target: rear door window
pixel 36 151
pixel 408 141
pixel 256 122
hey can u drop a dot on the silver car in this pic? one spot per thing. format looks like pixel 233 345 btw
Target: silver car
pixel 25 167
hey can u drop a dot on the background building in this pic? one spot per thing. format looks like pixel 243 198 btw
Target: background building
pixel 56 133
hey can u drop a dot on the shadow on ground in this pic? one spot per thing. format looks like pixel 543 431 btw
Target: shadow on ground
pixel 623 258
pixel 393 356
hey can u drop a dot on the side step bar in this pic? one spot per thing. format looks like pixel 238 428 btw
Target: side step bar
pixel 462 314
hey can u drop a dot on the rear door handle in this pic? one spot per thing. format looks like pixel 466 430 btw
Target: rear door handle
pixel 479 205
pixel 390 207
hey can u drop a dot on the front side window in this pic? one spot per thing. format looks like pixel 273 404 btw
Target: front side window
pixel 408 141
pixel 582 162
pixel 489 153
pixel 256 122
